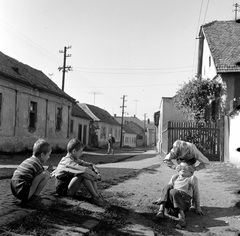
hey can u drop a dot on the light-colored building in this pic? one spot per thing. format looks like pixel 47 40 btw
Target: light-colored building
pixel 218 58
pixel 31 107
pixel 80 125
pixel 168 112
pixel 105 122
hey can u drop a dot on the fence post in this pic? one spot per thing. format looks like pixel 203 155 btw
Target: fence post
pixel 221 143
pixel 169 136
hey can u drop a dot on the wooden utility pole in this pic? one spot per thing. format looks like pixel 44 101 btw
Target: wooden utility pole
pixel 144 126
pixel 121 138
pixel 64 68
pixel 236 10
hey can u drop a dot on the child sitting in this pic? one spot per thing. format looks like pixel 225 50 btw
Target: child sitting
pixel 177 195
pixel 72 172
pixel 30 177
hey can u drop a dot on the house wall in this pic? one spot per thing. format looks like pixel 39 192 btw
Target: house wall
pixel 105 130
pixel 129 140
pixel 14 129
pixel 208 66
pixel 234 156
pixel 167 113
pixel 232 81
pixel 77 133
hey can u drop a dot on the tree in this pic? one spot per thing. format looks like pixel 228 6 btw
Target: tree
pixel 195 97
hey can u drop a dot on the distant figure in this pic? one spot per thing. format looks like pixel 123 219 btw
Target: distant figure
pixel 188 152
pixel 111 141
pixel 72 172
pixel 30 177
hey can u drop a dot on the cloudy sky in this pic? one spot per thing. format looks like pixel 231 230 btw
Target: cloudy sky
pixel 143 49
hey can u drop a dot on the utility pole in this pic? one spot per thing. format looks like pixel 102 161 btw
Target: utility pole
pixel 144 127
pixel 64 68
pixel 236 10
pixel 94 94
pixel 136 107
pixel 121 141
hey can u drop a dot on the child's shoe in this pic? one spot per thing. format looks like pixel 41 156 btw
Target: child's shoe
pixel 181 223
pixel 160 214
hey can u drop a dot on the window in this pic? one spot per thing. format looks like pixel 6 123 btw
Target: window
pixel 32 116
pixel 209 61
pixel 71 126
pixel 103 133
pixel 59 119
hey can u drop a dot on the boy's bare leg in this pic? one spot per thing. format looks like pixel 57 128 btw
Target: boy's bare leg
pixel 90 187
pixel 160 213
pixel 38 183
pixel 74 185
pixel 182 219
pixel 94 183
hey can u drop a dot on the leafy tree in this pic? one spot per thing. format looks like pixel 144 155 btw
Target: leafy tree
pixel 195 97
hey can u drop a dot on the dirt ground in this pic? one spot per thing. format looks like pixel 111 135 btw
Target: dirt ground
pixel 220 200
pixel 133 184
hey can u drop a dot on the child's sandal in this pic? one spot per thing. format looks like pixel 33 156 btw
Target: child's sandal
pixel 160 214
pixel 181 224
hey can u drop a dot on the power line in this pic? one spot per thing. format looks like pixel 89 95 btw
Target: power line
pixel 205 12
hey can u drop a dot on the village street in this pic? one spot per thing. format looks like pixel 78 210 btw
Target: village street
pixel 131 186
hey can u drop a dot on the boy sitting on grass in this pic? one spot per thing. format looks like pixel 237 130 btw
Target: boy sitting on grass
pixel 71 173
pixel 30 177
pixel 176 197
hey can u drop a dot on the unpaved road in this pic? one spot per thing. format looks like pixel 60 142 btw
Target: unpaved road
pixel 132 185
pixel 219 186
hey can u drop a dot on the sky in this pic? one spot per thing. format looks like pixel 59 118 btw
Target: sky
pixel 141 50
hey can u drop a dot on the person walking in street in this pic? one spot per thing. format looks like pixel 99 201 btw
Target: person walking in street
pixel 176 197
pixel 188 152
pixel 72 172
pixel 111 141
pixel 30 177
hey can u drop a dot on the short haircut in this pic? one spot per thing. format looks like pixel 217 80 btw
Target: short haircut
pixel 41 146
pixel 74 144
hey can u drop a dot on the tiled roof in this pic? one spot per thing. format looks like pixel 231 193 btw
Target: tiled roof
pixel 128 129
pixel 79 112
pixel 22 73
pixel 103 115
pixel 223 38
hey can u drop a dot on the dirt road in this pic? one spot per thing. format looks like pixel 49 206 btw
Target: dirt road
pixel 133 184
pixel 219 186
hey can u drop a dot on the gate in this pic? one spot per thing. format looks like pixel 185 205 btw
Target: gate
pixel 206 136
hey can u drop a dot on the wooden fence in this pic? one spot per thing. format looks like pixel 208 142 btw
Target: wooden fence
pixel 206 136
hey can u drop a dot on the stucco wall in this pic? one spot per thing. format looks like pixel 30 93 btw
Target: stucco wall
pixel 14 131
pixel 167 113
pixel 208 69
pixel 113 129
pixel 129 140
pixel 75 134
pixel 234 142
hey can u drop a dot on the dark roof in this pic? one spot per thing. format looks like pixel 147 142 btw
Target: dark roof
pixel 103 115
pixel 223 38
pixel 128 129
pixel 24 74
pixel 79 112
